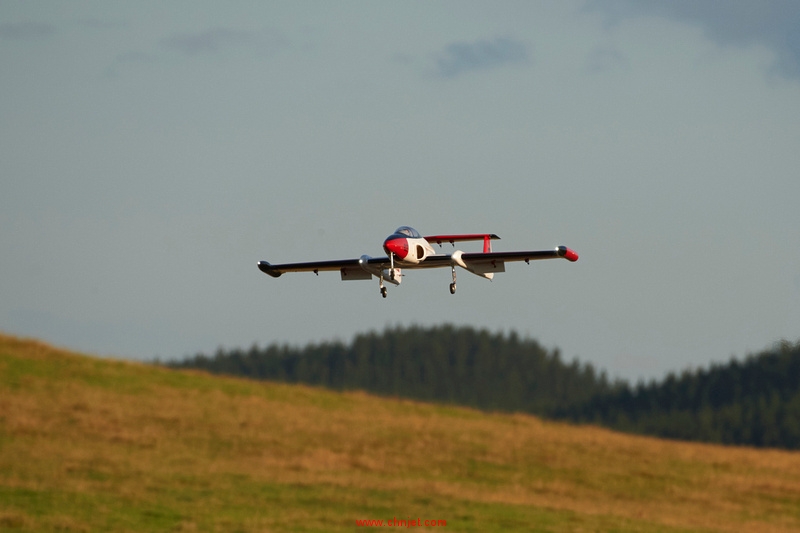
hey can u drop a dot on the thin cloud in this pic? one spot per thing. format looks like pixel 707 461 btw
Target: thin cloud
pixel 213 40
pixel 604 59
pixel 134 56
pixel 772 23
pixel 103 24
pixel 461 57
pixel 26 31
pixel 207 41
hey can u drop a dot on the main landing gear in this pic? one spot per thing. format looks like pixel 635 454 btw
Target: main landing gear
pixel 391 274
pixel 383 288
pixel 392 277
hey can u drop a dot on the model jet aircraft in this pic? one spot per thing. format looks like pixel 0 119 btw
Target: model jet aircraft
pixel 406 248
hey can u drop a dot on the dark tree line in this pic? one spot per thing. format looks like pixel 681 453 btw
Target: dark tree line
pixel 444 364
pixel 754 402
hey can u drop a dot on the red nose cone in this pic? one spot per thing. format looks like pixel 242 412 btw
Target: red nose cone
pixel 397 246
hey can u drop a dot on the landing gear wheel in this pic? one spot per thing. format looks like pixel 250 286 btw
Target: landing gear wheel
pixel 383 292
pixel 452 288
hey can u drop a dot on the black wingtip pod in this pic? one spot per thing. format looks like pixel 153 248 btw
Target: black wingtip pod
pixel 266 268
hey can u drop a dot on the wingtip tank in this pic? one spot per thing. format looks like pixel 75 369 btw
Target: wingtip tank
pixel 567 253
pixel 266 268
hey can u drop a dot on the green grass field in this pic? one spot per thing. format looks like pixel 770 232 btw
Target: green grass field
pixel 88 444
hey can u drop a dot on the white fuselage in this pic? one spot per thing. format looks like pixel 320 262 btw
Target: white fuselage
pixel 407 247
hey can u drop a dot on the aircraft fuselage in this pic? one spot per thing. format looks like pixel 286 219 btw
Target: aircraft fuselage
pixel 407 246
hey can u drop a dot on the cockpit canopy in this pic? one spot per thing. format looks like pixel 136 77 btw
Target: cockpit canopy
pixel 408 231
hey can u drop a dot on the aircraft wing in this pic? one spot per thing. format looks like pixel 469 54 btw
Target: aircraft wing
pixel 532 255
pixel 486 264
pixel 481 263
pixel 342 265
pixel 477 258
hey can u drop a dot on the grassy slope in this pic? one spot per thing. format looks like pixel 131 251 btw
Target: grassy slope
pixel 88 445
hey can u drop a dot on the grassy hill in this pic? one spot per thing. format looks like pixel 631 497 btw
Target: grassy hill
pixel 94 445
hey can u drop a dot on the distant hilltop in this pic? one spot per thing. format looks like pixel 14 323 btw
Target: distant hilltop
pixel 751 402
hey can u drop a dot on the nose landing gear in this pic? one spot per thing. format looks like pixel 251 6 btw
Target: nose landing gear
pixel 453 285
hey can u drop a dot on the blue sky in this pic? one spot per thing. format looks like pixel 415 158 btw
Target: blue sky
pixel 152 153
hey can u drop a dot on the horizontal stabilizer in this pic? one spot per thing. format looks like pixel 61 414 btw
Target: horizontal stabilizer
pixel 439 239
pixel 452 239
